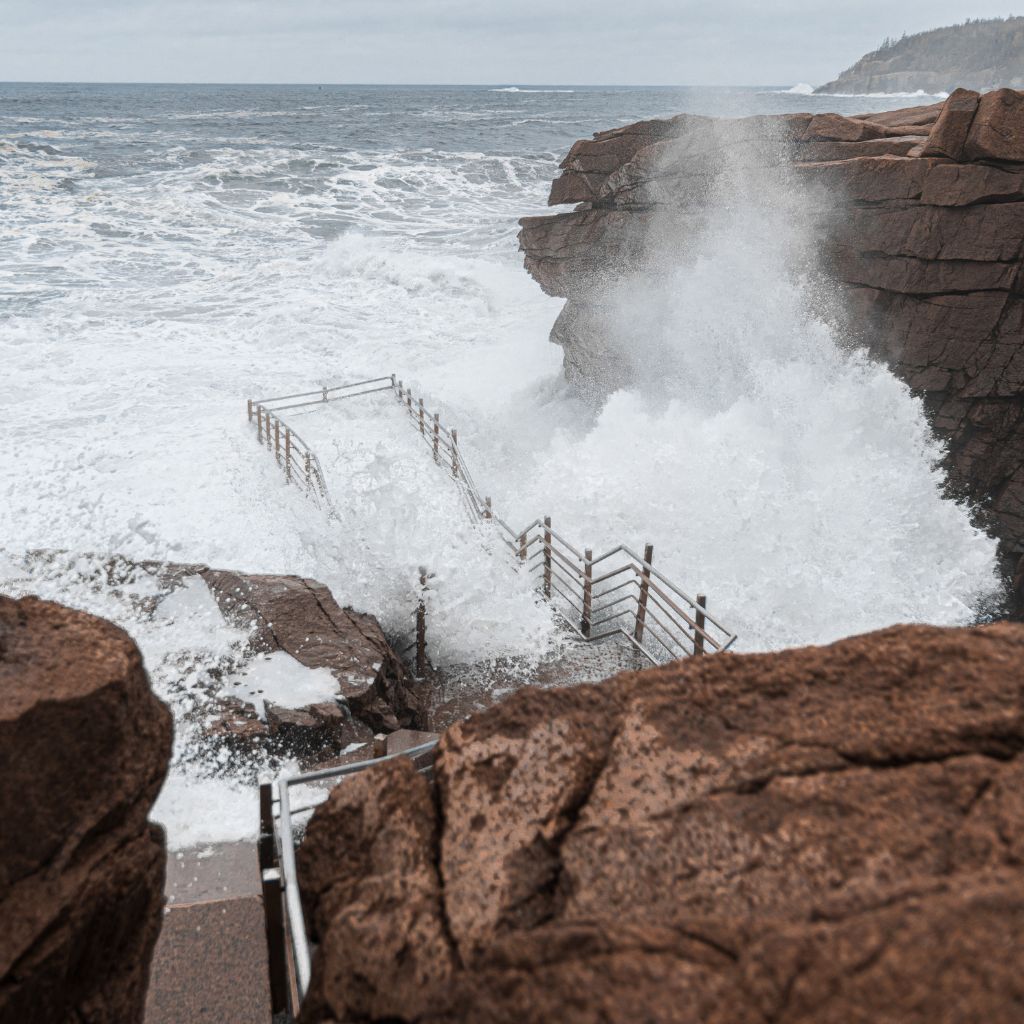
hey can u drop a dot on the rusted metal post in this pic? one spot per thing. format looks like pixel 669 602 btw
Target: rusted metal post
pixel 269 439
pixel 437 437
pixel 455 454
pixel 423 429
pixel 421 627
pixel 288 454
pixel 277 441
pixel 645 586
pixel 698 633
pixel 488 511
pixel 547 556
pixel 248 407
pixel 259 425
pixel 588 590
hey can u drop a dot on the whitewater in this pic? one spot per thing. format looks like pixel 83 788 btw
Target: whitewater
pixel 167 252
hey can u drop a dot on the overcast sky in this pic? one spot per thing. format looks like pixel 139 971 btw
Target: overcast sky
pixel 638 42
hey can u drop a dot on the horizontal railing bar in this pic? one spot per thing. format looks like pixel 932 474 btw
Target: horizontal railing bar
pixel 617 572
pixel 566 597
pixel 356 766
pixel 665 629
pixel 634 582
pixel 679 628
pixel 568 581
pixel 654 588
pixel 598 609
pixel 576 571
pixel 323 401
pixel 557 536
pixel 320 391
pixel 608 554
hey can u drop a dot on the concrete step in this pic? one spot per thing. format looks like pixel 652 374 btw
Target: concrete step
pixel 210 964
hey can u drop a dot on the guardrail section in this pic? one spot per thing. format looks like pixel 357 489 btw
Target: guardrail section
pixel 615 593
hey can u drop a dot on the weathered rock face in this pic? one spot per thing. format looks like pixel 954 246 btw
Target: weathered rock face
pixel 84 748
pixel 301 617
pixel 926 240
pixel 829 834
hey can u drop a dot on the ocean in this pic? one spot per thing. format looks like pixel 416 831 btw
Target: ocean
pixel 168 251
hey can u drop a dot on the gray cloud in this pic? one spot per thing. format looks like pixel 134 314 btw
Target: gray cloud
pixel 656 42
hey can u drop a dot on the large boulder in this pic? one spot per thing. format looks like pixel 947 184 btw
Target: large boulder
pixel 829 835
pixel 925 238
pixel 84 748
pixel 300 617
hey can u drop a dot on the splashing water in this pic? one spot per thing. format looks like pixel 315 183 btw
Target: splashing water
pixel 180 252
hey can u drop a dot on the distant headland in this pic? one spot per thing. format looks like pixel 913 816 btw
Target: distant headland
pixel 979 54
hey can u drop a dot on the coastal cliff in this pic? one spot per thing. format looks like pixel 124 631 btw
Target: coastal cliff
pixel 924 236
pixel 980 54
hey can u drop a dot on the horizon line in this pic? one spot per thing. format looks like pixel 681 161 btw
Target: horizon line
pixel 407 85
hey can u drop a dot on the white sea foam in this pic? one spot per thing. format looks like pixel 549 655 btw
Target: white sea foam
pixel 515 88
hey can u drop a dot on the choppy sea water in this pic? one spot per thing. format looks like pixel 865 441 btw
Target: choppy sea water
pixel 168 251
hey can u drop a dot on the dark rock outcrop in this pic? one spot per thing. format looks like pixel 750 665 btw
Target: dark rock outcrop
pixel 926 239
pixel 828 834
pixel 301 617
pixel 84 748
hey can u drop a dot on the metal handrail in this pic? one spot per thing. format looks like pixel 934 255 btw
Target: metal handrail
pixel 277 859
pixel 554 558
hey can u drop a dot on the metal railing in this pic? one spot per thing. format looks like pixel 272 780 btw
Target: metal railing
pixel 287 937
pixel 615 593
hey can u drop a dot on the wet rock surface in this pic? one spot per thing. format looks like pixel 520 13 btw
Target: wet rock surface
pixel 301 618
pixel 827 834
pixel 926 240
pixel 84 748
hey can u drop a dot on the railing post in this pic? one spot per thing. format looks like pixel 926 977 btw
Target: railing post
pixel 645 585
pixel 488 511
pixel 325 394
pixel 248 408
pixel 588 590
pixel 401 392
pixel 455 454
pixel 309 469
pixel 423 430
pixel 547 556
pixel 698 634
pixel 392 381
pixel 522 547
pixel 288 454
pixel 273 910
pixel 421 627
pixel 408 401
pixel 259 425
pixel 269 439
pixel 437 437
pixel 277 441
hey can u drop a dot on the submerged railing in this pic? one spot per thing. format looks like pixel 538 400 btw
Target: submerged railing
pixel 615 593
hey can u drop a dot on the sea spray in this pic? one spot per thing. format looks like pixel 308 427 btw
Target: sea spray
pixel 786 474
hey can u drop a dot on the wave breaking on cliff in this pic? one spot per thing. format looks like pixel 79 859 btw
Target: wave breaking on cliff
pixel 772 465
